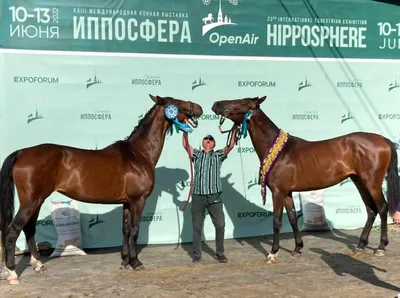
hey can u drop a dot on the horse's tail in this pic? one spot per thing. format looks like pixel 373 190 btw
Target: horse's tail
pixel 393 182
pixel 7 194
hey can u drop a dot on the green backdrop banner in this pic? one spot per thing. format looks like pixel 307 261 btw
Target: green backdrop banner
pixel 90 98
pixel 312 28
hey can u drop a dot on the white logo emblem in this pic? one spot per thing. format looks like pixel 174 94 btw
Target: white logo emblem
pixel 210 23
pixel 206 2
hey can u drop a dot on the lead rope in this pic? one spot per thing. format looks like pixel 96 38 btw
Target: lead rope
pixel 185 135
pixel 241 161
pixel 228 141
pixel 230 134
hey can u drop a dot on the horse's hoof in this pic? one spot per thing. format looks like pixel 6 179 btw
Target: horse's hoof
pixel 271 259
pixel 358 250
pixel 13 278
pixel 379 253
pixel 124 265
pixel 295 255
pixel 13 282
pixel 40 269
pixel 138 268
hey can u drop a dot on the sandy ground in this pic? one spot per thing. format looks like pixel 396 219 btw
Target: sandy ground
pixel 327 268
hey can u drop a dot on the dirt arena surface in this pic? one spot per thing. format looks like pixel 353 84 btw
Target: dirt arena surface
pixel 327 268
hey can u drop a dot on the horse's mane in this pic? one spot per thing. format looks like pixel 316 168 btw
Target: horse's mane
pixel 142 121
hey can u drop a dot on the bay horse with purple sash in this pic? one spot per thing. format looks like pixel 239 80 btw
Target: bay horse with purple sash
pixel 291 164
pixel 121 173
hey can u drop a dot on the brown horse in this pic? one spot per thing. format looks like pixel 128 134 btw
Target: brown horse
pixel 121 173
pixel 303 166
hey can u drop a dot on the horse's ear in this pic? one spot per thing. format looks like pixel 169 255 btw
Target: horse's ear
pixel 157 99
pixel 154 98
pixel 261 99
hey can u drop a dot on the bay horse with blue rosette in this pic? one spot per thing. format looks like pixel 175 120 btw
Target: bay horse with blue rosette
pixel 291 164
pixel 121 173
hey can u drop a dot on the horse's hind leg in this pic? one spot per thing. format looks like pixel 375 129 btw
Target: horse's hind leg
pixel 382 208
pixel 377 204
pixel 30 230
pixel 372 211
pixel 22 217
pixel 383 213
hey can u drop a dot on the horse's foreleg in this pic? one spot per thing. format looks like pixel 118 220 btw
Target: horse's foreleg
pixel 136 208
pixel 291 213
pixel 278 202
pixel 126 228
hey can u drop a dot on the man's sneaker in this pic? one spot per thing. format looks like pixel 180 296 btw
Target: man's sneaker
pixel 222 259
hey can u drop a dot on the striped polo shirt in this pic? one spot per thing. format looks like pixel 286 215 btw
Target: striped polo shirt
pixel 207 171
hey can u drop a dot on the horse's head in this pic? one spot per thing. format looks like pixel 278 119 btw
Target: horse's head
pixel 187 110
pixel 236 109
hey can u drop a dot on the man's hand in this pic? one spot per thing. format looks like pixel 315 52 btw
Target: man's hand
pixel 229 148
